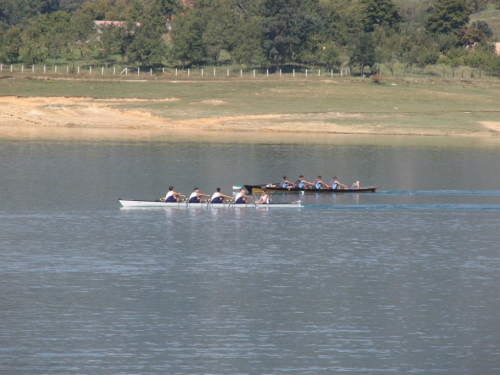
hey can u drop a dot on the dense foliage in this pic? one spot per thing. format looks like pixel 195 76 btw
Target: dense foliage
pixel 276 34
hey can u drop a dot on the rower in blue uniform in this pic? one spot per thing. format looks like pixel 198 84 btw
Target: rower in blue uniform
pixel 195 196
pixel 172 196
pixel 318 184
pixel 218 197
pixel 303 184
pixel 336 185
pixel 285 184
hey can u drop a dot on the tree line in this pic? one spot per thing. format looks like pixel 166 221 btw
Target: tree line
pixel 365 35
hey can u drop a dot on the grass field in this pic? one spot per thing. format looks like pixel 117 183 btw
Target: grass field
pixel 333 105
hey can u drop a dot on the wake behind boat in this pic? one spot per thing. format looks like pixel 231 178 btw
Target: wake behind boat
pixel 274 188
pixel 162 204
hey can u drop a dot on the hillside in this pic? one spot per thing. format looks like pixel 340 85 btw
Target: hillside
pixel 492 18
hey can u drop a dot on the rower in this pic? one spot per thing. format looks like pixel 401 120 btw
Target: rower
pixel 172 196
pixel 336 185
pixel 318 184
pixel 241 198
pixel 218 197
pixel 195 196
pixel 264 198
pixel 285 184
pixel 303 184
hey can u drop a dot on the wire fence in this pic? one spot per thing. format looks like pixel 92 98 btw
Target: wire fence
pixel 443 72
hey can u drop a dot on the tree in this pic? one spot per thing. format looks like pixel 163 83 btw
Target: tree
pixel 82 27
pixel 53 31
pixel 363 52
pixel 484 57
pixel 477 5
pixel 147 47
pixel 342 19
pixel 245 41
pixel 331 55
pixel 470 37
pixel 12 42
pixel 447 16
pixel 483 26
pixel 186 36
pixel 281 20
pixel 381 13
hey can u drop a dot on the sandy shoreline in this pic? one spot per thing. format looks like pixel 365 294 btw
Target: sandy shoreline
pixel 100 113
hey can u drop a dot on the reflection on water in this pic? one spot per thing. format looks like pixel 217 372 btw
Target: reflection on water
pixel 217 138
pixel 401 281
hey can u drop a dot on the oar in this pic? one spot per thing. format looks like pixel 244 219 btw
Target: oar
pixel 255 204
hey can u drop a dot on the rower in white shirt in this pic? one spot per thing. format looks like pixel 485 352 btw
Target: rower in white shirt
pixel 195 196
pixel 218 197
pixel 172 196
pixel 264 198
pixel 241 198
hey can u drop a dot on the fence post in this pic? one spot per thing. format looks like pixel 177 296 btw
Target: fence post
pixel 22 68
pixel 202 72
pixel 267 72
pixel 114 70
pixel 306 73
pixel 11 68
pixel 102 70
pixel 228 72
pixel 241 73
pixel 33 68
pixel 44 69
pixel 150 71
pixel 214 72
pixel 67 69
pixel 319 72
pixel 138 71
pixel 280 72
pixel 176 72
pixel 90 70
pixel 254 73
pixel 293 73
pixel 188 72
pixel 55 69
pixel 78 70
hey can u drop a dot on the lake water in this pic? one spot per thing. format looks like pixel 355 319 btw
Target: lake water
pixel 401 281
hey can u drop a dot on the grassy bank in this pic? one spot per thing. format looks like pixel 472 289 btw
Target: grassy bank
pixel 336 105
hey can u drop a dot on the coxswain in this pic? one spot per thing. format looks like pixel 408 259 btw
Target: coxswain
pixel 285 184
pixel 218 197
pixel 241 198
pixel 303 184
pixel 172 196
pixel 355 186
pixel 336 185
pixel 264 198
pixel 318 184
pixel 195 196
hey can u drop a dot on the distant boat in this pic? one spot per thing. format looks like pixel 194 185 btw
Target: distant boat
pixel 274 188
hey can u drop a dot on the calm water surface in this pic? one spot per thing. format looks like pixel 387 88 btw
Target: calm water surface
pixel 401 281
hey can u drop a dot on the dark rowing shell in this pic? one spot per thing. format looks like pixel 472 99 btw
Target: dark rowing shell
pixel 276 189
